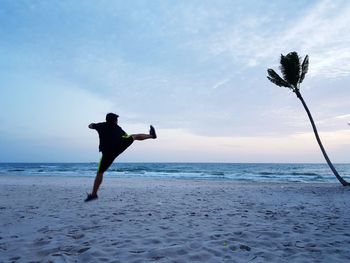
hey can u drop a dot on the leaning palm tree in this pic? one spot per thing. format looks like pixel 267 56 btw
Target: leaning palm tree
pixel 293 73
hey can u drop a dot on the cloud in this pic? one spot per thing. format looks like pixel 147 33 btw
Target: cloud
pixel 48 107
pixel 221 83
pixel 333 123
pixel 194 66
pixel 322 31
pixel 300 147
pixel 344 116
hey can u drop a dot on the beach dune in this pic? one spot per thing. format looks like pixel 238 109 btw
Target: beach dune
pixel 44 219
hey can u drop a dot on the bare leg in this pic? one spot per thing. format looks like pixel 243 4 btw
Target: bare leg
pixel 141 137
pixel 97 183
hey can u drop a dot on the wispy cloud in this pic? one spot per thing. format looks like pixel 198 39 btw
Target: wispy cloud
pixel 345 116
pixel 322 32
pixel 221 83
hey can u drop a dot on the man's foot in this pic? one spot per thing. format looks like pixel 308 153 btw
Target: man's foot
pixel 90 197
pixel 152 132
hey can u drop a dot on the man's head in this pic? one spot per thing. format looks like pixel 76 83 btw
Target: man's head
pixel 112 118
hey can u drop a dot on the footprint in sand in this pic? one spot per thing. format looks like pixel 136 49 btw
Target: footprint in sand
pixel 82 250
pixel 41 242
pixel 77 236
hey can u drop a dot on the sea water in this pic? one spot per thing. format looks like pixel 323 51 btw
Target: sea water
pixel 250 172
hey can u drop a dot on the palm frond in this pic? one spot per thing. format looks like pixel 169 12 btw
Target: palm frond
pixel 304 68
pixel 290 68
pixel 276 79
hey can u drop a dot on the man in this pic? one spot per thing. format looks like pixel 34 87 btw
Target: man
pixel 113 141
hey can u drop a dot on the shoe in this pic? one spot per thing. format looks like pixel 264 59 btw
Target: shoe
pixel 90 197
pixel 152 132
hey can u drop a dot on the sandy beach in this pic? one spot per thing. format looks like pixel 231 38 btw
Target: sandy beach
pixel 44 219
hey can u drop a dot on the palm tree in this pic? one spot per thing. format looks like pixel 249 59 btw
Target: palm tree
pixel 293 75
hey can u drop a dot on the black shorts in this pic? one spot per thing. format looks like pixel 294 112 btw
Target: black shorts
pixel 108 157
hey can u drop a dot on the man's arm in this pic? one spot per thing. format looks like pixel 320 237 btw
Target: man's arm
pixel 91 126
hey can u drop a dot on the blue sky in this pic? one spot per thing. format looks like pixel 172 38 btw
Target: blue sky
pixel 196 70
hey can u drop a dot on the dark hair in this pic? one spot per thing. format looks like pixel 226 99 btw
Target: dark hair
pixel 111 117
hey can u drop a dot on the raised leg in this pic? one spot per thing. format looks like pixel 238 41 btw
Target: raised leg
pixel 142 136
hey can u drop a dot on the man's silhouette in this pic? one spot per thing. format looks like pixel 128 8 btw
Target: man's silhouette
pixel 113 141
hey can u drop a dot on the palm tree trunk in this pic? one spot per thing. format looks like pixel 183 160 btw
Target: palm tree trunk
pixel 341 180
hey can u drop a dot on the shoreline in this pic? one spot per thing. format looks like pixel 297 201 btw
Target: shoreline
pixel 279 173
pixel 160 220
pixel 21 179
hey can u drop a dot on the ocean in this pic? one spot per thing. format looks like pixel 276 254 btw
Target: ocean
pixel 249 172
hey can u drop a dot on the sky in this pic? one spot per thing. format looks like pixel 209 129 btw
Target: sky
pixel 196 70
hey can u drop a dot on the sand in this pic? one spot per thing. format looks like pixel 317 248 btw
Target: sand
pixel 44 219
